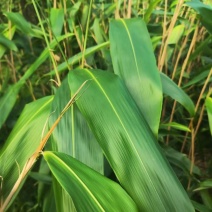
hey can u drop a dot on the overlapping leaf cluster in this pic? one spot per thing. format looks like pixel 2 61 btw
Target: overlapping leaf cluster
pixel 117 118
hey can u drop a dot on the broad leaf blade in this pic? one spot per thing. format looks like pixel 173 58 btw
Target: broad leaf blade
pixel 23 141
pixel 134 60
pixel 73 137
pixel 90 190
pixel 56 20
pixel 72 134
pixel 7 101
pixel 128 142
pixel 176 93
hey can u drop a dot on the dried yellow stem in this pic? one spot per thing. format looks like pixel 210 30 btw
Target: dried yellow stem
pixel 28 165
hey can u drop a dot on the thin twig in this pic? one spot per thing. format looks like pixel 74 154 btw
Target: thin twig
pixel 86 33
pixel 30 162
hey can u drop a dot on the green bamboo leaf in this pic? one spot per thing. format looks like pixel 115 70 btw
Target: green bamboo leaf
pixel 201 207
pixel 20 22
pixel 208 104
pixel 201 48
pixel 72 15
pixel 7 43
pixel 44 178
pixel 204 10
pixel 68 137
pixel 207 184
pixel 8 33
pixel 44 55
pixel 128 142
pixel 206 198
pixel 134 60
pixel 176 125
pixel 151 8
pixel 48 202
pixel 176 34
pixel 180 160
pixel 22 142
pixel 176 93
pixel 8 100
pixel 98 32
pixel 65 203
pixel 45 197
pixel 90 190
pixel 100 38
pixel 198 79
pixel 56 20
pixel 77 58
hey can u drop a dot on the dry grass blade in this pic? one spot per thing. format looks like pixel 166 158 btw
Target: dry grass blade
pixel 29 164
pixel 166 36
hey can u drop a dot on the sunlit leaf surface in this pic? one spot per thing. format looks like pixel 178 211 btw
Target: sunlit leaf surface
pixel 134 60
pixel 127 141
pixel 23 141
pixel 89 190
pixel 73 137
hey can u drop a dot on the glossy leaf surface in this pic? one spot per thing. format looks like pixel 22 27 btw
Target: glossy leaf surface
pixel 134 61
pixel 23 141
pixel 73 137
pixel 56 21
pixel 89 190
pixel 72 134
pixel 127 142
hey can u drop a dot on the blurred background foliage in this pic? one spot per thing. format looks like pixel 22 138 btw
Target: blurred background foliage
pixel 181 36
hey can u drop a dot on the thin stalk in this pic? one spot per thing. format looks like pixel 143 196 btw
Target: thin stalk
pixel 129 9
pixel 181 49
pixel 67 49
pixel 47 42
pixel 197 107
pixel 201 114
pixel 86 34
pixel 185 63
pixel 166 35
pixel 117 16
pixel 31 161
pixel 78 38
pixel 192 151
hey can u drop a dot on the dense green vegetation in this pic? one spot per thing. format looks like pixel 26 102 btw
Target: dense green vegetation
pixel 105 106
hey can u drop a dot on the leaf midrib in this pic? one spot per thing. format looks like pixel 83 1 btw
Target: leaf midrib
pixel 133 50
pixel 24 126
pixel 77 177
pixel 122 124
